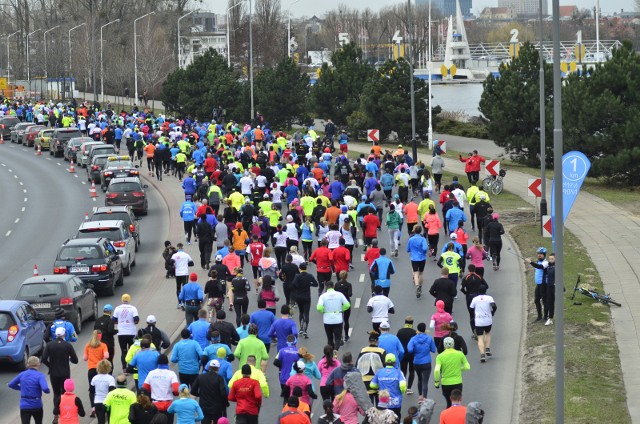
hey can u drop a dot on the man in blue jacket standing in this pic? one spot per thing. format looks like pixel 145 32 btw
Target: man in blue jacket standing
pixel 417 247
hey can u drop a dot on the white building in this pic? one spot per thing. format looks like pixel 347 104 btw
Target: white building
pixel 525 7
pixel 206 32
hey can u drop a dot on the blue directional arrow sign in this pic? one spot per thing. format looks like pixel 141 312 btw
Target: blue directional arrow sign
pixel 575 166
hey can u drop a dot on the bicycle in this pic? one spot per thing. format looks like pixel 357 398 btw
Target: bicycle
pixel 494 183
pixel 589 292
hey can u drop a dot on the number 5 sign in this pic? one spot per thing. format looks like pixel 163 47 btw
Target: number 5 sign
pixel 343 38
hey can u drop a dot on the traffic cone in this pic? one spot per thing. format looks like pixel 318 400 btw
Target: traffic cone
pixel 92 190
pixel 39 151
pixel 72 168
pixel 35 270
pixel 86 216
pixel 1 138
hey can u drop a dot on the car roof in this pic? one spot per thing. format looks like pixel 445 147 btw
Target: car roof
pixel 103 223
pixel 83 242
pixel 107 209
pixel 50 278
pixel 10 305
pixel 100 157
pixel 67 130
pixel 126 180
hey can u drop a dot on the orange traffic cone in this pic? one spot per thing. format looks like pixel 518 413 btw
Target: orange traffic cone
pixel 92 190
pixel 39 151
pixel 35 270
pixel 72 168
pixel 1 138
pixel 86 216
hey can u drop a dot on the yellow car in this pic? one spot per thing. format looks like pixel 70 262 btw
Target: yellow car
pixel 43 139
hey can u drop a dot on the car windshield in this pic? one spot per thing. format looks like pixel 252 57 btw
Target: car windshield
pixel 124 187
pixel 100 161
pixel 75 142
pixel 67 135
pixel 78 253
pixel 116 216
pixel 6 321
pixel 47 133
pixel 119 164
pixel 112 234
pixel 40 290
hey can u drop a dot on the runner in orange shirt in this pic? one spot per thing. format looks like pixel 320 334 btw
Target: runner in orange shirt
pixel 150 150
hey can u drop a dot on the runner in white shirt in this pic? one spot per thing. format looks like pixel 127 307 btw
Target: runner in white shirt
pixel 181 262
pixel 276 196
pixel 460 196
pixel 333 237
pixel 246 184
pixel 101 384
pixel 484 307
pixel 379 306
pixel 126 317
pixel 162 384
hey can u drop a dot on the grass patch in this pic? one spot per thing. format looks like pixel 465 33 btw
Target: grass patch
pixel 593 377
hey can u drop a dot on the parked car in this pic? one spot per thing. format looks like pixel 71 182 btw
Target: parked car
pixel 21 332
pixel 128 191
pixel 43 139
pixel 124 213
pixel 18 130
pixel 6 125
pixel 117 167
pixel 73 147
pixel 29 136
pixel 95 167
pixel 118 233
pixel 46 293
pixel 83 154
pixel 60 138
pixel 93 260
pixel 101 149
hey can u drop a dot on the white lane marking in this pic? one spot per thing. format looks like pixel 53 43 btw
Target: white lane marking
pixel 350 331
pixel 15 176
pixel 25 199
pixel 95 208
pixel 94 199
pixel 10 170
pixel 8 233
pixel 362 257
pixel 24 150
pixel 23 209
pixel 362 278
pixel 358 300
pixel 58 163
pixel 21 183
pixel 3 164
pixel 48 158
pixel 16 221
pixel 75 175
pixel 361 242
pixel 84 182
pixel 24 190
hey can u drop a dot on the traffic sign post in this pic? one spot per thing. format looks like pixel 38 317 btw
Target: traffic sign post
pixel 533 187
pixel 547 226
pixel 492 167
pixel 373 135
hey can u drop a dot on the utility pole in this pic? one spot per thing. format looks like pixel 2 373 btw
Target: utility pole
pixel 543 125
pixel 253 111
pixel 414 142
pixel 93 54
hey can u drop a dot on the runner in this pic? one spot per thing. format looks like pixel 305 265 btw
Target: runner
pixel 484 307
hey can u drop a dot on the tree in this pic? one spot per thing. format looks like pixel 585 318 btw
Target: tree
pixel 386 100
pixel 203 85
pixel 337 92
pixel 602 116
pixel 281 94
pixel 511 104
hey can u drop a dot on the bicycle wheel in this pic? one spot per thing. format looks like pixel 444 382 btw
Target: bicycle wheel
pixel 606 299
pixel 497 187
pixel 486 183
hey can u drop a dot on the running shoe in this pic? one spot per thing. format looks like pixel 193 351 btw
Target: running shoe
pixel 487 351
pixel 483 358
pixel 409 392
pixel 418 292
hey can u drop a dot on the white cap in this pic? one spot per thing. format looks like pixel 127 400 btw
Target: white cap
pixel 151 319
pixel 289 218
pixel 453 236
pixel 60 331
pixel 215 364
pixel 385 325
pixel 218 257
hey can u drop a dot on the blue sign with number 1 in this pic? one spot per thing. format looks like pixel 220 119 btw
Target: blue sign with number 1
pixel 575 166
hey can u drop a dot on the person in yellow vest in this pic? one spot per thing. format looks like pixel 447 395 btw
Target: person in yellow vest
pixel 451 260
pixel 265 205
pixel 308 203
pixel 181 163
pixel 237 199
pixel 423 207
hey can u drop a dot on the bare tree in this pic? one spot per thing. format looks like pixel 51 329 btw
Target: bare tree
pixel 269 46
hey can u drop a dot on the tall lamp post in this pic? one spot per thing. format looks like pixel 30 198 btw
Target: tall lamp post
pixel 253 112
pixel 229 33
pixel 135 51
pixel 289 31
pixel 72 29
pixel 430 133
pixel 543 125
pixel 28 54
pixel 8 52
pixel 414 142
pixel 46 70
pixel 179 44
pixel 102 59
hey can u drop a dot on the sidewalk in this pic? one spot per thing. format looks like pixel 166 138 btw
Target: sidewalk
pixel 613 248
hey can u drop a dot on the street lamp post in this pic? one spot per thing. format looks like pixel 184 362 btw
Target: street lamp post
pixel 72 29
pixel 28 62
pixel 543 125
pixel 289 31
pixel 135 51
pixel 8 59
pixel 180 45
pixel 430 133
pixel 102 59
pixel 251 56
pixel 229 34
pixel 414 142
pixel 46 71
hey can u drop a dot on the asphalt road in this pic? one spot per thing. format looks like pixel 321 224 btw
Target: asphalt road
pixel 493 383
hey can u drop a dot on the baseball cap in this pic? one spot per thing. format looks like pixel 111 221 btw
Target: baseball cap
pixel 453 236
pixel 214 363
pixel 218 258
pixel 390 358
pixel 126 297
pixel 60 331
pixel 385 325
pixel 151 319
pixel 108 307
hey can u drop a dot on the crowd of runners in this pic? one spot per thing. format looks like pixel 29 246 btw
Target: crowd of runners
pixel 275 217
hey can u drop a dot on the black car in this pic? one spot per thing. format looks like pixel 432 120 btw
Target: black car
pixel 124 213
pixel 94 260
pixel 6 125
pixel 59 140
pixel 117 167
pixel 94 169
pixel 46 293
pixel 72 148
pixel 128 191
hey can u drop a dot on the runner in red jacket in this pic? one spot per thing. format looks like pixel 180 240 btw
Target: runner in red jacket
pixel 246 393
pixel 322 258
pixel 341 258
